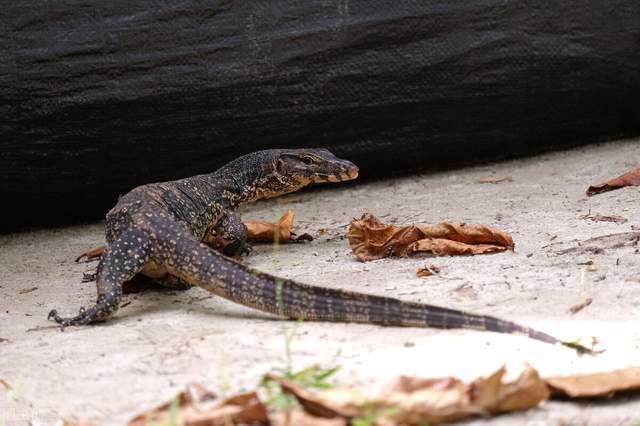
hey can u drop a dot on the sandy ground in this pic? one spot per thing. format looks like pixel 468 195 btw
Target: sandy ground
pixel 162 341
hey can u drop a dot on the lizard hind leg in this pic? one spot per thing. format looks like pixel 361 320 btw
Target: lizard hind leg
pixel 120 262
pixel 171 282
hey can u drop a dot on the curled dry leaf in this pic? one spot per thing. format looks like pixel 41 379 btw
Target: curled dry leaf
pixel 427 271
pixel 90 255
pixel 262 231
pixel 329 404
pixel 198 406
pixel 580 306
pixel 73 422
pixel 302 418
pixel 598 384
pixel 372 239
pixel 415 401
pixel 448 399
pixel 631 178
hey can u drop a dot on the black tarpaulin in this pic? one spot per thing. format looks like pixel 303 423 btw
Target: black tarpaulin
pixel 98 97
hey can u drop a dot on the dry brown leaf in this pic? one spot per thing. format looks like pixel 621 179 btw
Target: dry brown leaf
pixel 580 306
pixel 90 255
pixel 411 400
pixel 598 384
pixel 372 239
pixel 427 271
pixel 448 399
pixel 301 418
pixel 74 422
pixel 329 404
pixel 527 391
pixel 262 231
pixel 197 406
pixel 631 178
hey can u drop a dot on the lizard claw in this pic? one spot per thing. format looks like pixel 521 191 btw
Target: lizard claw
pixel 53 314
pixel 246 250
pixel 80 319
pixel 88 277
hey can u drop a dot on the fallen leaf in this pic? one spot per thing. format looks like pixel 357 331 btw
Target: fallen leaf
pixel 496 180
pixel 631 178
pixel 262 231
pixel 198 406
pixel 372 239
pixel 601 218
pixel 74 422
pixel 27 290
pixel 91 255
pixel 527 391
pixel 580 306
pixel 5 384
pixel 427 271
pixel 328 404
pixel 411 400
pixel 448 399
pixel 598 384
pixel 302 418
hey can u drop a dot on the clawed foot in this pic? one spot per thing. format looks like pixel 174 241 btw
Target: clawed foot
pixel 237 250
pixel 81 319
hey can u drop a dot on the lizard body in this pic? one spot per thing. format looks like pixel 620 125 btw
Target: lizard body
pixel 157 229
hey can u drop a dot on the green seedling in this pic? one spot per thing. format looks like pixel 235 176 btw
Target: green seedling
pixel 370 415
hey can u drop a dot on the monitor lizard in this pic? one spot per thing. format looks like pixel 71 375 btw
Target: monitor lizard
pixel 157 230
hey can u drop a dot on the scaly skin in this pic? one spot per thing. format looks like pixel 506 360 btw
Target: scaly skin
pixel 156 230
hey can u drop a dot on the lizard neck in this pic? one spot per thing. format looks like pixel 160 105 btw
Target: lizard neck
pixel 252 177
pixel 240 181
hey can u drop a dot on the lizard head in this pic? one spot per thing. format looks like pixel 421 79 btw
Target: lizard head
pixel 291 169
pixel 308 166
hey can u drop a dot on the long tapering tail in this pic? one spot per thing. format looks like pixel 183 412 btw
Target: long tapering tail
pixel 290 299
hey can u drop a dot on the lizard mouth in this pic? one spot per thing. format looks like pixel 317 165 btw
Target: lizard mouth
pixel 352 172
pixel 343 175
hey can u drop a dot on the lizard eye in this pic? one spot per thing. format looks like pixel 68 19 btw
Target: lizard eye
pixel 307 160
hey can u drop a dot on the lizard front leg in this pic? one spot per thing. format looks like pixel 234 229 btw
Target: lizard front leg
pixel 122 259
pixel 230 229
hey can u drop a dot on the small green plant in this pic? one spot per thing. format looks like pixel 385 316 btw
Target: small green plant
pixel 172 418
pixel 370 415
pixel 312 377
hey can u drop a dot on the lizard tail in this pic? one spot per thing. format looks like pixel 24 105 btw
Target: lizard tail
pixel 295 300
pixel 199 265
